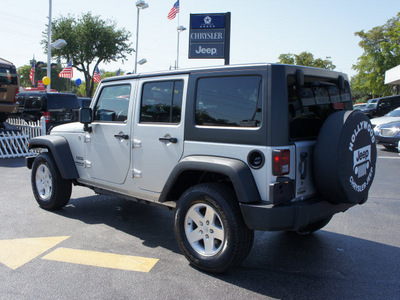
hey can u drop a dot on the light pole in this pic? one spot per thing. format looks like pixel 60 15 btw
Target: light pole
pixel 140 5
pixel 57 45
pixel 49 48
pixel 179 29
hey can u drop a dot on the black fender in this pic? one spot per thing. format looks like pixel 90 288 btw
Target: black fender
pixel 238 172
pixel 59 148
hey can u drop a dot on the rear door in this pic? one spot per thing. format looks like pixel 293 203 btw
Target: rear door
pixel 158 130
pixel 309 106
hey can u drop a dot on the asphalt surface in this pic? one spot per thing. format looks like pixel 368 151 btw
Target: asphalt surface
pixel 356 256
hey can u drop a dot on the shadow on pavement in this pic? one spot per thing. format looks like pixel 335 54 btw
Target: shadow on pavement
pixel 12 162
pixel 323 265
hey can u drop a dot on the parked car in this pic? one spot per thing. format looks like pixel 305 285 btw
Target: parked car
pixel 57 108
pixel 231 149
pixel 388 134
pixel 9 88
pixel 380 106
pixel 392 116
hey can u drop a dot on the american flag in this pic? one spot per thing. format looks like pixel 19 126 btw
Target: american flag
pixel 96 75
pixel 67 72
pixel 174 10
pixel 32 73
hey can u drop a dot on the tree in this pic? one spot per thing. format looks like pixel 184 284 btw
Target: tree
pixel 381 47
pixel 57 83
pixel 90 41
pixel 306 59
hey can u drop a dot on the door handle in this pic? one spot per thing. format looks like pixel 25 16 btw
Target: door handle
pixel 168 139
pixel 121 135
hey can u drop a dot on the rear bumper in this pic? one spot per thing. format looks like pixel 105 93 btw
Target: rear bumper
pixel 388 141
pixel 8 107
pixel 291 216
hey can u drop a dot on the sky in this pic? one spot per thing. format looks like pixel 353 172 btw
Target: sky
pixel 261 30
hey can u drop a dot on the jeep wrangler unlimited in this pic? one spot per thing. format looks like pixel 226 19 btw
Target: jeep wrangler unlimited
pixel 232 149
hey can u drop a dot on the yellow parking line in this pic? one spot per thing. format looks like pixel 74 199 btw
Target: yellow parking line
pixel 17 252
pixel 101 259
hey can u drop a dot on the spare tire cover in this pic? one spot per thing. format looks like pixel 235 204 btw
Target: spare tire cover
pixel 345 157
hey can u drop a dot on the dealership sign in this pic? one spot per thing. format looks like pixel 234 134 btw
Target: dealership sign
pixel 210 36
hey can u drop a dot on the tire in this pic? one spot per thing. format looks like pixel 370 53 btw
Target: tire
pixel 310 228
pixel 51 191
pixel 3 117
pixel 345 158
pixel 390 147
pixel 211 211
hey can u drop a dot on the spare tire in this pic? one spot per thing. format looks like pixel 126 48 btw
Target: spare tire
pixel 345 157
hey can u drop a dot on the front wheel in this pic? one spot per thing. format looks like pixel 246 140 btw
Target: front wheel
pixel 51 191
pixel 210 229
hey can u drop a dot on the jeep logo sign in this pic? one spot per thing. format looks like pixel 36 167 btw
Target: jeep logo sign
pixel 209 36
pixel 362 168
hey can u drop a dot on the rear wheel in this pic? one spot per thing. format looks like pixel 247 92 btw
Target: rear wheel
pixel 210 229
pixel 51 191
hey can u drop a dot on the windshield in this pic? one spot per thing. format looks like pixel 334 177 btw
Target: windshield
pixel 8 76
pixel 394 113
pixel 372 103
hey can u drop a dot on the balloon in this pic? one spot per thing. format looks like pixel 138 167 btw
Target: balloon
pixel 46 80
pixel 78 82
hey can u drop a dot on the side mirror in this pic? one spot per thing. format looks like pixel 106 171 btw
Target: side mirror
pixel 85 117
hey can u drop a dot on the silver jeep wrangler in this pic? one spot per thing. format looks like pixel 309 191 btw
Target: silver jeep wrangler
pixel 231 149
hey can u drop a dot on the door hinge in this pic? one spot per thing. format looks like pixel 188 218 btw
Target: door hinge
pixel 136 143
pixel 136 173
pixel 87 139
pixel 88 164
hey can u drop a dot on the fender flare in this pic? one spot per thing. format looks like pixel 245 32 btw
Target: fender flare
pixel 238 172
pixel 59 148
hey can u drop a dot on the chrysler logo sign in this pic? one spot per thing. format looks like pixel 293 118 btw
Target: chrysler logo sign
pixel 209 36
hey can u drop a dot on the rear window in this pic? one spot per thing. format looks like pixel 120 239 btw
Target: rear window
pixel 311 104
pixel 233 101
pixel 8 76
pixel 33 102
pixel 60 101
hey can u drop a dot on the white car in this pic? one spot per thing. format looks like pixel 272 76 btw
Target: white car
pixel 392 116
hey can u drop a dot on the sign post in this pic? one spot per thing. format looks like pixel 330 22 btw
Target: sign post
pixel 209 36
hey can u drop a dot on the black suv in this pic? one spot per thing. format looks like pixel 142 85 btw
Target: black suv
pixel 57 108
pixel 231 149
pixel 379 107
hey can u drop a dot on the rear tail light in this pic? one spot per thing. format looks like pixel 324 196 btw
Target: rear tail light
pixel 281 162
pixel 46 115
pixel 16 95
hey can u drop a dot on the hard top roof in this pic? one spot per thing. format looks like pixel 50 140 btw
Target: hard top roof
pixel 217 68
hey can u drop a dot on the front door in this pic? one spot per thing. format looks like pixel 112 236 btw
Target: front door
pixel 158 130
pixel 108 145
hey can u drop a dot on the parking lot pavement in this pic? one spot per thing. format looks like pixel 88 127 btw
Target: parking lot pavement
pixel 73 253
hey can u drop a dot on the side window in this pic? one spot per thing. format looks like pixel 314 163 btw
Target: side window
pixel 161 102
pixel 229 101
pixel 113 103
